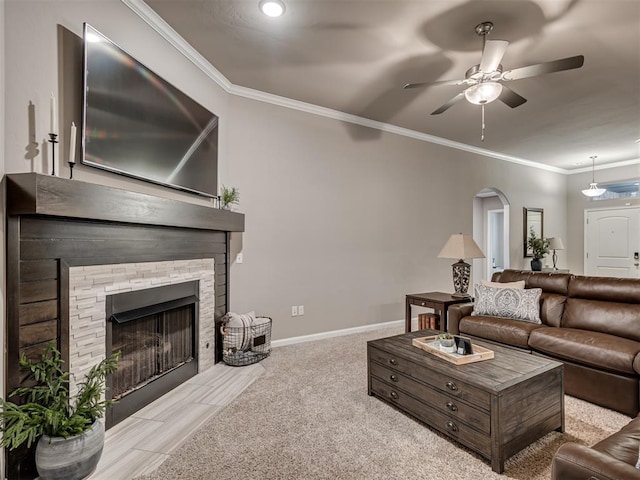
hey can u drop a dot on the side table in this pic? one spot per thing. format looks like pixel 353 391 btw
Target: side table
pixel 437 301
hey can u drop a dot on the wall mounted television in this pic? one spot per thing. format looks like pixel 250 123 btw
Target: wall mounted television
pixel 137 124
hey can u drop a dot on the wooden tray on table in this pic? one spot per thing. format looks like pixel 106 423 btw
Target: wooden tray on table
pixel 430 344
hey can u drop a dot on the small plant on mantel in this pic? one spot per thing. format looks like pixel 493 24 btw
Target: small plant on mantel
pixel 47 409
pixel 230 196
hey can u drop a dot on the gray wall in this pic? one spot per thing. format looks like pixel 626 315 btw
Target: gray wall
pixel 344 226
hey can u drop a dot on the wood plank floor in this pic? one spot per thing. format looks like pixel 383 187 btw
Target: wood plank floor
pixel 139 444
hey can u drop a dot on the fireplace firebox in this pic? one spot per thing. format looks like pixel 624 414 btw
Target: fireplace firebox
pixel 155 331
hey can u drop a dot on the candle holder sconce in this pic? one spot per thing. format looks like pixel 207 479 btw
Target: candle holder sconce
pixel 53 139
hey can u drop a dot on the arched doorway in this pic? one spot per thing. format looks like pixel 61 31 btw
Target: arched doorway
pixel 491 232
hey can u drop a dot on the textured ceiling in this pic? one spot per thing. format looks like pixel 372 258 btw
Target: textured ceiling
pixel 354 56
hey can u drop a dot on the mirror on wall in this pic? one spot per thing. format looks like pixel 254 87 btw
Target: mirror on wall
pixel 533 219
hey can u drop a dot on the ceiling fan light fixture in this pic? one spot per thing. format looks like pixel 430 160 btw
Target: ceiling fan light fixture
pixel 272 8
pixel 483 93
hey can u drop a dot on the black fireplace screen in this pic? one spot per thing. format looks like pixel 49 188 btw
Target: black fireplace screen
pixel 151 346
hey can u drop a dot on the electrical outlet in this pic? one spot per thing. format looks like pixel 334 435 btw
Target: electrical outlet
pixel 239 258
pixel 300 309
pixel 294 311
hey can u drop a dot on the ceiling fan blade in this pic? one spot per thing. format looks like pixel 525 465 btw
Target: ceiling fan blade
pixel 492 55
pixel 568 63
pixel 432 84
pixel 511 98
pixel 449 104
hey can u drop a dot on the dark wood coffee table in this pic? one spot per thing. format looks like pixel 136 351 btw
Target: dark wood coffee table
pixel 495 407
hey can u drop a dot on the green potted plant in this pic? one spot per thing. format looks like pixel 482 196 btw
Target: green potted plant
pixel 446 341
pixel 539 248
pixel 69 433
pixel 230 196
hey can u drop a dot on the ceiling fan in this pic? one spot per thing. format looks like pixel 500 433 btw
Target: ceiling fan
pixel 484 81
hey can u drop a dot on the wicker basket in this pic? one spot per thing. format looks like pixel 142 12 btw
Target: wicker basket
pixel 248 344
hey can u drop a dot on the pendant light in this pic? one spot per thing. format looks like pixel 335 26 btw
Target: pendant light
pixel 593 190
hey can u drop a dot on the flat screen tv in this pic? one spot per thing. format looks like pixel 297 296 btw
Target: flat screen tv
pixel 137 124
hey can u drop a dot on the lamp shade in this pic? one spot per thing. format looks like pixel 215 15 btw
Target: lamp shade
pixel 555 243
pixel 461 246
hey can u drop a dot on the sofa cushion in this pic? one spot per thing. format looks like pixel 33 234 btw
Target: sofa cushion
pixel 636 364
pixel 487 283
pixel 508 303
pixel 606 289
pixel 552 308
pixel 554 291
pixel 502 330
pixel 547 281
pixel 594 349
pixel 614 318
pixel 623 445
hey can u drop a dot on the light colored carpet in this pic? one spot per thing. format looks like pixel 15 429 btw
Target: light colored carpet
pixel 309 417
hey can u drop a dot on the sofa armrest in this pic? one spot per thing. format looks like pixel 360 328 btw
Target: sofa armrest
pixel 577 462
pixel 455 313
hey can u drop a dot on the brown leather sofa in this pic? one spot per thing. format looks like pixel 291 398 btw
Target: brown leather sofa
pixel 614 458
pixel 591 324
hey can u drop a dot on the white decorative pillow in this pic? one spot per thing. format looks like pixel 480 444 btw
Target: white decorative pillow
pixel 518 284
pixel 239 332
pixel 638 462
pixel 516 303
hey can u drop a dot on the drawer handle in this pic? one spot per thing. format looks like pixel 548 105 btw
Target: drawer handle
pixel 451 386
pixel 393 395
pixel 452 426
pixel 393 361
pixel 393 377
pixel 452 406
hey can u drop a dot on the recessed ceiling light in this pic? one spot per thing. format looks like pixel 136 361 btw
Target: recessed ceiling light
pixel 272 8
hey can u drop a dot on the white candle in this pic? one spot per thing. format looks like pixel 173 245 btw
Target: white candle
pixel 54 114
pixel 72 144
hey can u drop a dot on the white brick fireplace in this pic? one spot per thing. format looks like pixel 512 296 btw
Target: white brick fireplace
pixel 89 287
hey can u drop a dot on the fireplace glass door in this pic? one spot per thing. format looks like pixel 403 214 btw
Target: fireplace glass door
pixel 151 346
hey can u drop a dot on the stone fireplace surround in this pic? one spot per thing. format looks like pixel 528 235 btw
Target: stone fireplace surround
pixel 90 285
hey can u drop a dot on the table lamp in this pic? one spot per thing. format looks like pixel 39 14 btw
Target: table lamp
pixel 555 243
pixel 461 246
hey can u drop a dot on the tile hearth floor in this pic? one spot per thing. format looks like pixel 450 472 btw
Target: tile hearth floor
pixel 139 444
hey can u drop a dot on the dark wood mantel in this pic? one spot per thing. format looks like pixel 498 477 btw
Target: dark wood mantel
pixel 38 194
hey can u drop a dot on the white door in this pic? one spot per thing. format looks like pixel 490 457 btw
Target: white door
pixel 612 243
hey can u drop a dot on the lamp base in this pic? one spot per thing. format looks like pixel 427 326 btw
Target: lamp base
pixel 461 274
pixel 461 295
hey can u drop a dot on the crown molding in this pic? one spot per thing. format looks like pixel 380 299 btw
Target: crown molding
pixel 140 8
pixel 606 166
pixel 385 127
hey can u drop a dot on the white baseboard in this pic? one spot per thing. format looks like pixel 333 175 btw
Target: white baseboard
pixel 334 333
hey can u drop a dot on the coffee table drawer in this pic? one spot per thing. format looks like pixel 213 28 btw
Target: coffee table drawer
pixel 451 426
pixel 450 406
pixel 446 383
